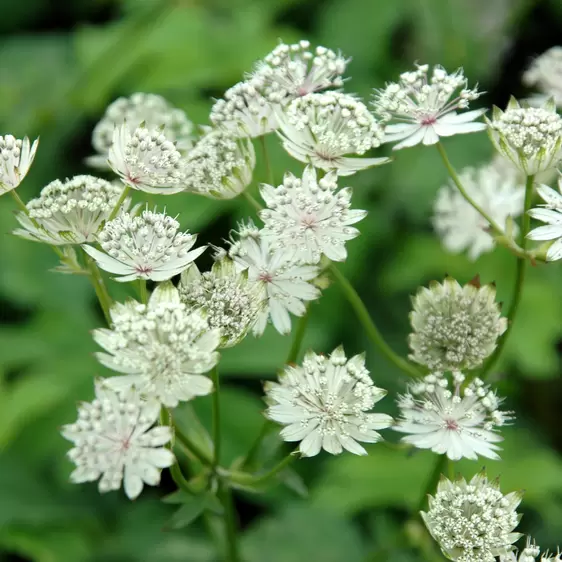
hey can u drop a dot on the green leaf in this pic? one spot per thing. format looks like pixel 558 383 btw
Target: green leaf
pixel 191 509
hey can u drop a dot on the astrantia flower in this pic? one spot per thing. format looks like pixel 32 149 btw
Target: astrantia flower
pixel 425 110
pixel 230 300
pixel 545 72
pixel 145 159
pixel 114 439
pixel 287 285
pixel 145 247
pixel 309 217
pixel 164 348
pixel 69 212
pixel 454 327
pixel 152 110
pixel 325 404
pixel 528 554
pixel 474 521
pixel 16 156
pixel 291 71
pixel 531 137
pixel 460 226
pixel 244 111
pixel 220 165
pixel 452 420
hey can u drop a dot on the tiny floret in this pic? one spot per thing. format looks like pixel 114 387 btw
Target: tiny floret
pixel 528 554
pixel 545 73
pixel 531 137
pixel 115 440
pixel 454 420
pixel 454 327
pixel 70 212
pixel 321 129
pixel 16 157
pixel 422 110
pixel 474 521
pixel 309 217
pixel 326 404
pixel 148 246
pixel 163 348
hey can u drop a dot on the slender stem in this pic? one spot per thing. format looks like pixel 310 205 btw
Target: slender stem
pixel 439 467
pixel 143 291
pixel 190 446
pixel 252 200
pixel 216 418
pixel 254 449
pixel 244 478
pixel 268 169
pixel 298 337
pixel 120 201
pixel 99 287
pixel 230 523
pixel 369 326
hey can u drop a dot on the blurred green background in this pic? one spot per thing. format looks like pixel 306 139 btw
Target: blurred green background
pixel 61 63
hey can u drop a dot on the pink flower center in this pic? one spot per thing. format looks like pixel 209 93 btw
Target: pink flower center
pixel 452 425
pixel 143 269
pixel 430 120
pixel 265 277
pixel 308 221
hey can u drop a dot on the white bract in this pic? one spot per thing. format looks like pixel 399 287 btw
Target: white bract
pixel 287 285
pixel 454 327
pixel 220 165
pixel 454 420
pixel 309 217
pixel 321 129
pixel 460 226
pixel 422 110
pixel 152 110
pixel 164 348
pixel 145 159
pixel 326 404
pixel 115 441
pixel 545 73
pixel 16 157
pixel 531 137
pixel 70 212
pixel 292 71
pixel 474 521
pixel 148 246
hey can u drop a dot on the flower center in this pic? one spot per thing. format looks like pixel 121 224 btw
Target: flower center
pixel 429 120
pixel 308 221
pixel 266 277
pixel 451 425
pixel 143 269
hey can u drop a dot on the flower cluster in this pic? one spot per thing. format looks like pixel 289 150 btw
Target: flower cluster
pixel 545 73
pixel 326 404
pixel 16 157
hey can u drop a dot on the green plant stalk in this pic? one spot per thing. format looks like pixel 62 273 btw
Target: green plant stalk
pixel 268 169
pixel 439 468
pixel 100 288
pixel 369 326
pixel 298 337
pixel 252 200
pixel 190 446
pixel 246 479
pixel 216 419
pixel 230 524
pixel 143 291
pixel 120 201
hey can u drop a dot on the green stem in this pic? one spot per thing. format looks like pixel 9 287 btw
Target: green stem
pixel 369 326
pixel 268 169
pixel 255 448
pixel 216 418
pixel 230 523
pixel 298 338
pixel 190 446
pixel 253 201
pixel 143 291
pixel 99 287
pixel 244 478
pixel 438 469
pixel 120 201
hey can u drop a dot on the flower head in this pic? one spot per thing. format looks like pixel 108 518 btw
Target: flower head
pixel 152 110
pixel 147 160
pixel 291 71
pixel 474 521
pixel 220 166
pixel 287 285
pixel 528 554
pixel 325 404
pixel 16 157
pixel 69 212
pixel 456 421
pixel 545 72
pixel 460 226
pixel 148 246
pixel 309 217
pixel 426 110
pixel 454 327
pixel 230 300
pixel 321 129
pixel 114 439
pixel 531 137
pixel 163 347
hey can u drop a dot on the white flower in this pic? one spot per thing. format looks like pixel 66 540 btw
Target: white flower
pixel 309 217
pixel 528 554
pixel 147 160
pixel 424 110
pixel 531 137
pixel 145 247
pixel 152 110
pixel 457 421
pixel 70 212
pixel 474 521
pixel 16 157
pixel 163 348
pixel 545 72
pixel 230 300
pixel 291 71
pixel 325 404
pixel 320 129
pixel 286 284
pixel 551 214
pixel 454 327
pixel 244 111
pixel 114 439
pixel 220 165
pixel 460 226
